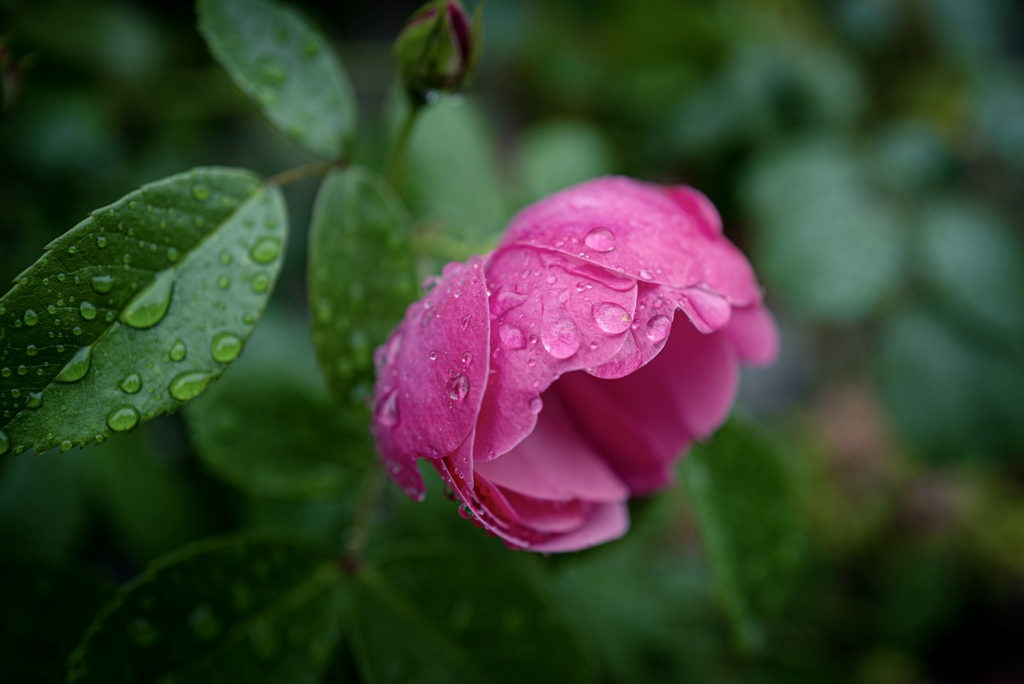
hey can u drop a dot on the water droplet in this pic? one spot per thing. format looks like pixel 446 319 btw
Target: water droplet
pixel 7 372
pixel 387 410
pixel 123 418
pixel 658 328
pixel 5 444
pixel 433 356
pixel 31 350
pixel 31 317
pixel 101 241
pixel 536 404
pixel 646 274
pixel 66 445
pixel 131 384
pixel 150 306
pixel 611 318
pixel 265 250
pixel 72 250
pixel 88 310
pixel 35 400
pixel 77 367
pixel 511 336
pixel 458 387
pixel 223 282
pixel 467 359
pixel 203 623
pixel 225 347
pixel 178 350
pixel 560 338
pixel 143 632
pixel 22 369
pixel 600 240
pixel 260 282
pixel 200 192
pixel 102 284
pixel 225 258
pixel 189 385
pixel 173 254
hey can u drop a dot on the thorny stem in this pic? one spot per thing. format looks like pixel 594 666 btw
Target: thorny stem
pixel 400 148
pixel 316 168
pixel 358 534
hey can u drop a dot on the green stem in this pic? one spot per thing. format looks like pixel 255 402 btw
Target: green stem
pixel 317 168
pixel 358 534
pixel 400 148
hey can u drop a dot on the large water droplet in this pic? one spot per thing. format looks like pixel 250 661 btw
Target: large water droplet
pixel 387 410
pixel 512 336
pixel 102 284
pixel 31 350
pixel 34 401
pixel 225 347
pixel 204 623
pixel 646 274
pixel 611 318
pixel 265 250
pixel 458 387
pixel 600 240
pixel 658 328
pixel 188 385
pixel 88 310
pixel 143 632
pixel 560 337
pixel 31 317
pixel 536 404
pixel 77 367
pixel 123 418
pixel 131 383
pixel 200 192
pixel 178 351
pixel 150 305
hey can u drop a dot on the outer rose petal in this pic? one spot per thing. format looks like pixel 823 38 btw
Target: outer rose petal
pixel 440 353
pixel 754 334
pixel 645 231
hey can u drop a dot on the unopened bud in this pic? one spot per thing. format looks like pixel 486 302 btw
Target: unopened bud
pixel 437 49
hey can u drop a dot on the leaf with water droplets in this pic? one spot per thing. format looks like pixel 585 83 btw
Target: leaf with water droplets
pixel 96 340
pixel 745 497
pixel 239 610
pixel 361 277
pixel 286 67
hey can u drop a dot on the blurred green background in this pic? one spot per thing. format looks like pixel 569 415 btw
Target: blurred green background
pixel 868 155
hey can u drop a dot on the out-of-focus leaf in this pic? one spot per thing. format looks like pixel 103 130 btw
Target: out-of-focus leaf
pixel 746 500
pixel 910 156
pixel 976 266
pixel 361 278
pixel 826 242
pixel 47 605
pixel 241 610
pixel 971 33
pixel 136 309
pixel 451 178
pixel 558 154
pixel 146 501
pixel 286 66
pixel 996 107
pixel 41 504
pixel 949 398
pixel 458 617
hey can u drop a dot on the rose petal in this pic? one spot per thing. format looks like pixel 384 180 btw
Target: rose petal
pixel 642 423
pixel 604 523
pixel 552 315
pixel 661 235
pixel 754 334
pixel 430 387
pixel 554 463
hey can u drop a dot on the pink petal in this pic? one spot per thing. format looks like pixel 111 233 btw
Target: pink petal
pixel 552 314
pixel 754 334
pixel 604 523
pixel 555 464
pixel 643 422
pixel 666 236
pixel 429 390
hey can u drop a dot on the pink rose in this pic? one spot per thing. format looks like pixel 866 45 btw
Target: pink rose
pixel 550 380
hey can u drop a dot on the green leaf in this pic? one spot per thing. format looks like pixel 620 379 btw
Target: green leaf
pixel 242 610
pixel 136 309
pixel 826 241
pixel 745 499
pixel 361 278
pixel 451 177
pixel 270 429
pixel 439 615
pixel 285 66
pixel 559 154
pixel 47 605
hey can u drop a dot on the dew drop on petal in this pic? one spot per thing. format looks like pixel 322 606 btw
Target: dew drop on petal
pixel 511 336
pixel 611 317
pixel 600 240
pixel 458 387
pixel 387 410
pixel 560 338
pixel 658 328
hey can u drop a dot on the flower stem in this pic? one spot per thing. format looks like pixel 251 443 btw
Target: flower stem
pixel 400 148
pixel 357 534
pixel 316 168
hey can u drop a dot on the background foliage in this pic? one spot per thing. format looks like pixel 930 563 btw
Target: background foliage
pixel 867 154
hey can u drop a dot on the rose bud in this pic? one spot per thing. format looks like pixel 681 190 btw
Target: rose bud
pixel 437 49
pixel 552 379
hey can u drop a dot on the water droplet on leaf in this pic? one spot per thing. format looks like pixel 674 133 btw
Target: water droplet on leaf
pixel 178 351
pixel 150 306
pixel 123 418
pixel 265 250
pixel 77 367
pixel 225 347
pixel 102 284
pixel 189 385
pixel 131 383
